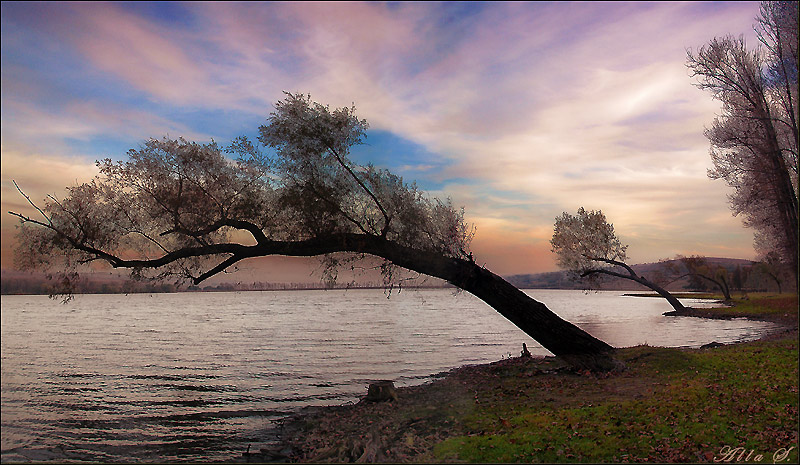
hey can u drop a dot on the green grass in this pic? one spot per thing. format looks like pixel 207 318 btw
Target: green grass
pixel 763 305
pixel 756 304
pixel 679 406
pixel 697 403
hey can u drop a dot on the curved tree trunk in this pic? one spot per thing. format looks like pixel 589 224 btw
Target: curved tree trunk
pixel 676 304
pixel 726 291
pixel 563 339
pixel 777 281
pixel 560 337
pixel 722 284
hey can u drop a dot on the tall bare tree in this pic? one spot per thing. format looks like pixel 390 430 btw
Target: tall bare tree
pixel 754 142
pixel 184 210
pixel 587 247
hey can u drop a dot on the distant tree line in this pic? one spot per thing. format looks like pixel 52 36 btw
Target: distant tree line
pixel 37 284
pixel 758 276
pixel 703 274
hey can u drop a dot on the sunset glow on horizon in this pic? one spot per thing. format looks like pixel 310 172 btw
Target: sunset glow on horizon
pixel 518 111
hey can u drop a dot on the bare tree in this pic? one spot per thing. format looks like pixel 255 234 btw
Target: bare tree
pixel 754 142
pixel 587 247
pixel 772 267
pixel 698 267
pixel 182 210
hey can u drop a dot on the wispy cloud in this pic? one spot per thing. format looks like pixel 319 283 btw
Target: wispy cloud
pixel 518 110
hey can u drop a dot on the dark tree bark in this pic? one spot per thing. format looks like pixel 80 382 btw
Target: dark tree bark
pixel 676 304
pixel 722 284
pixel 555 334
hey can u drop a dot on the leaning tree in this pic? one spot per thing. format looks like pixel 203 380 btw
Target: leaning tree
pixel 587 247
pixel 182 210
pixel 699 270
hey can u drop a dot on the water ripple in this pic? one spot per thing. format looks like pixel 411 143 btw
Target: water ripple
pixel 200 377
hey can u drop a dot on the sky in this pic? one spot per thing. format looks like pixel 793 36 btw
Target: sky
pixel 517 111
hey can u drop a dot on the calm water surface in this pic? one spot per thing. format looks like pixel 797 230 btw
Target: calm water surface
pixel 200 376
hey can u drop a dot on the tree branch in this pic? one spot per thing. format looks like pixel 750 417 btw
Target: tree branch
pixel 386 216
pixel 217 269
pixel 330 202
pixel 253 229
pixel 610 273
pixel 30 202
pixel 614 262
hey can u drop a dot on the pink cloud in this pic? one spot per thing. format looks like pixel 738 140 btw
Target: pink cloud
pixel 562 104
pixel 144 54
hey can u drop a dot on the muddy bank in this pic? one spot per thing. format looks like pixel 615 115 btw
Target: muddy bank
pixel 403 430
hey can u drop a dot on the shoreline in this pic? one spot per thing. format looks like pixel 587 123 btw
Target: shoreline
pixel 729 310
pixel 786 319
pixel 466 405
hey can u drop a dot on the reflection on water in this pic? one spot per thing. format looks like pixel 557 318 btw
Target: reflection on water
pixel 625 321
pixel 199 377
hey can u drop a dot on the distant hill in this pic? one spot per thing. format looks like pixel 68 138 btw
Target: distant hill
pixel 561 280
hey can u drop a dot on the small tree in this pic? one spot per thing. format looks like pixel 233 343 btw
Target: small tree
pixel 587 247
pixel 177 209
pixel 698 269
pixel 772 267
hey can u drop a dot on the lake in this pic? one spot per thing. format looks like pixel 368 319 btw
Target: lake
pixel 200 376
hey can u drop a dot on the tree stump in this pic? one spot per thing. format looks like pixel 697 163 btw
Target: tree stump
pixel 381 391
pixel 525 353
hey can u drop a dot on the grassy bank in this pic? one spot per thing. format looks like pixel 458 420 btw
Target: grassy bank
pixel 670 405
pixel 779 308
pixel 762 306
